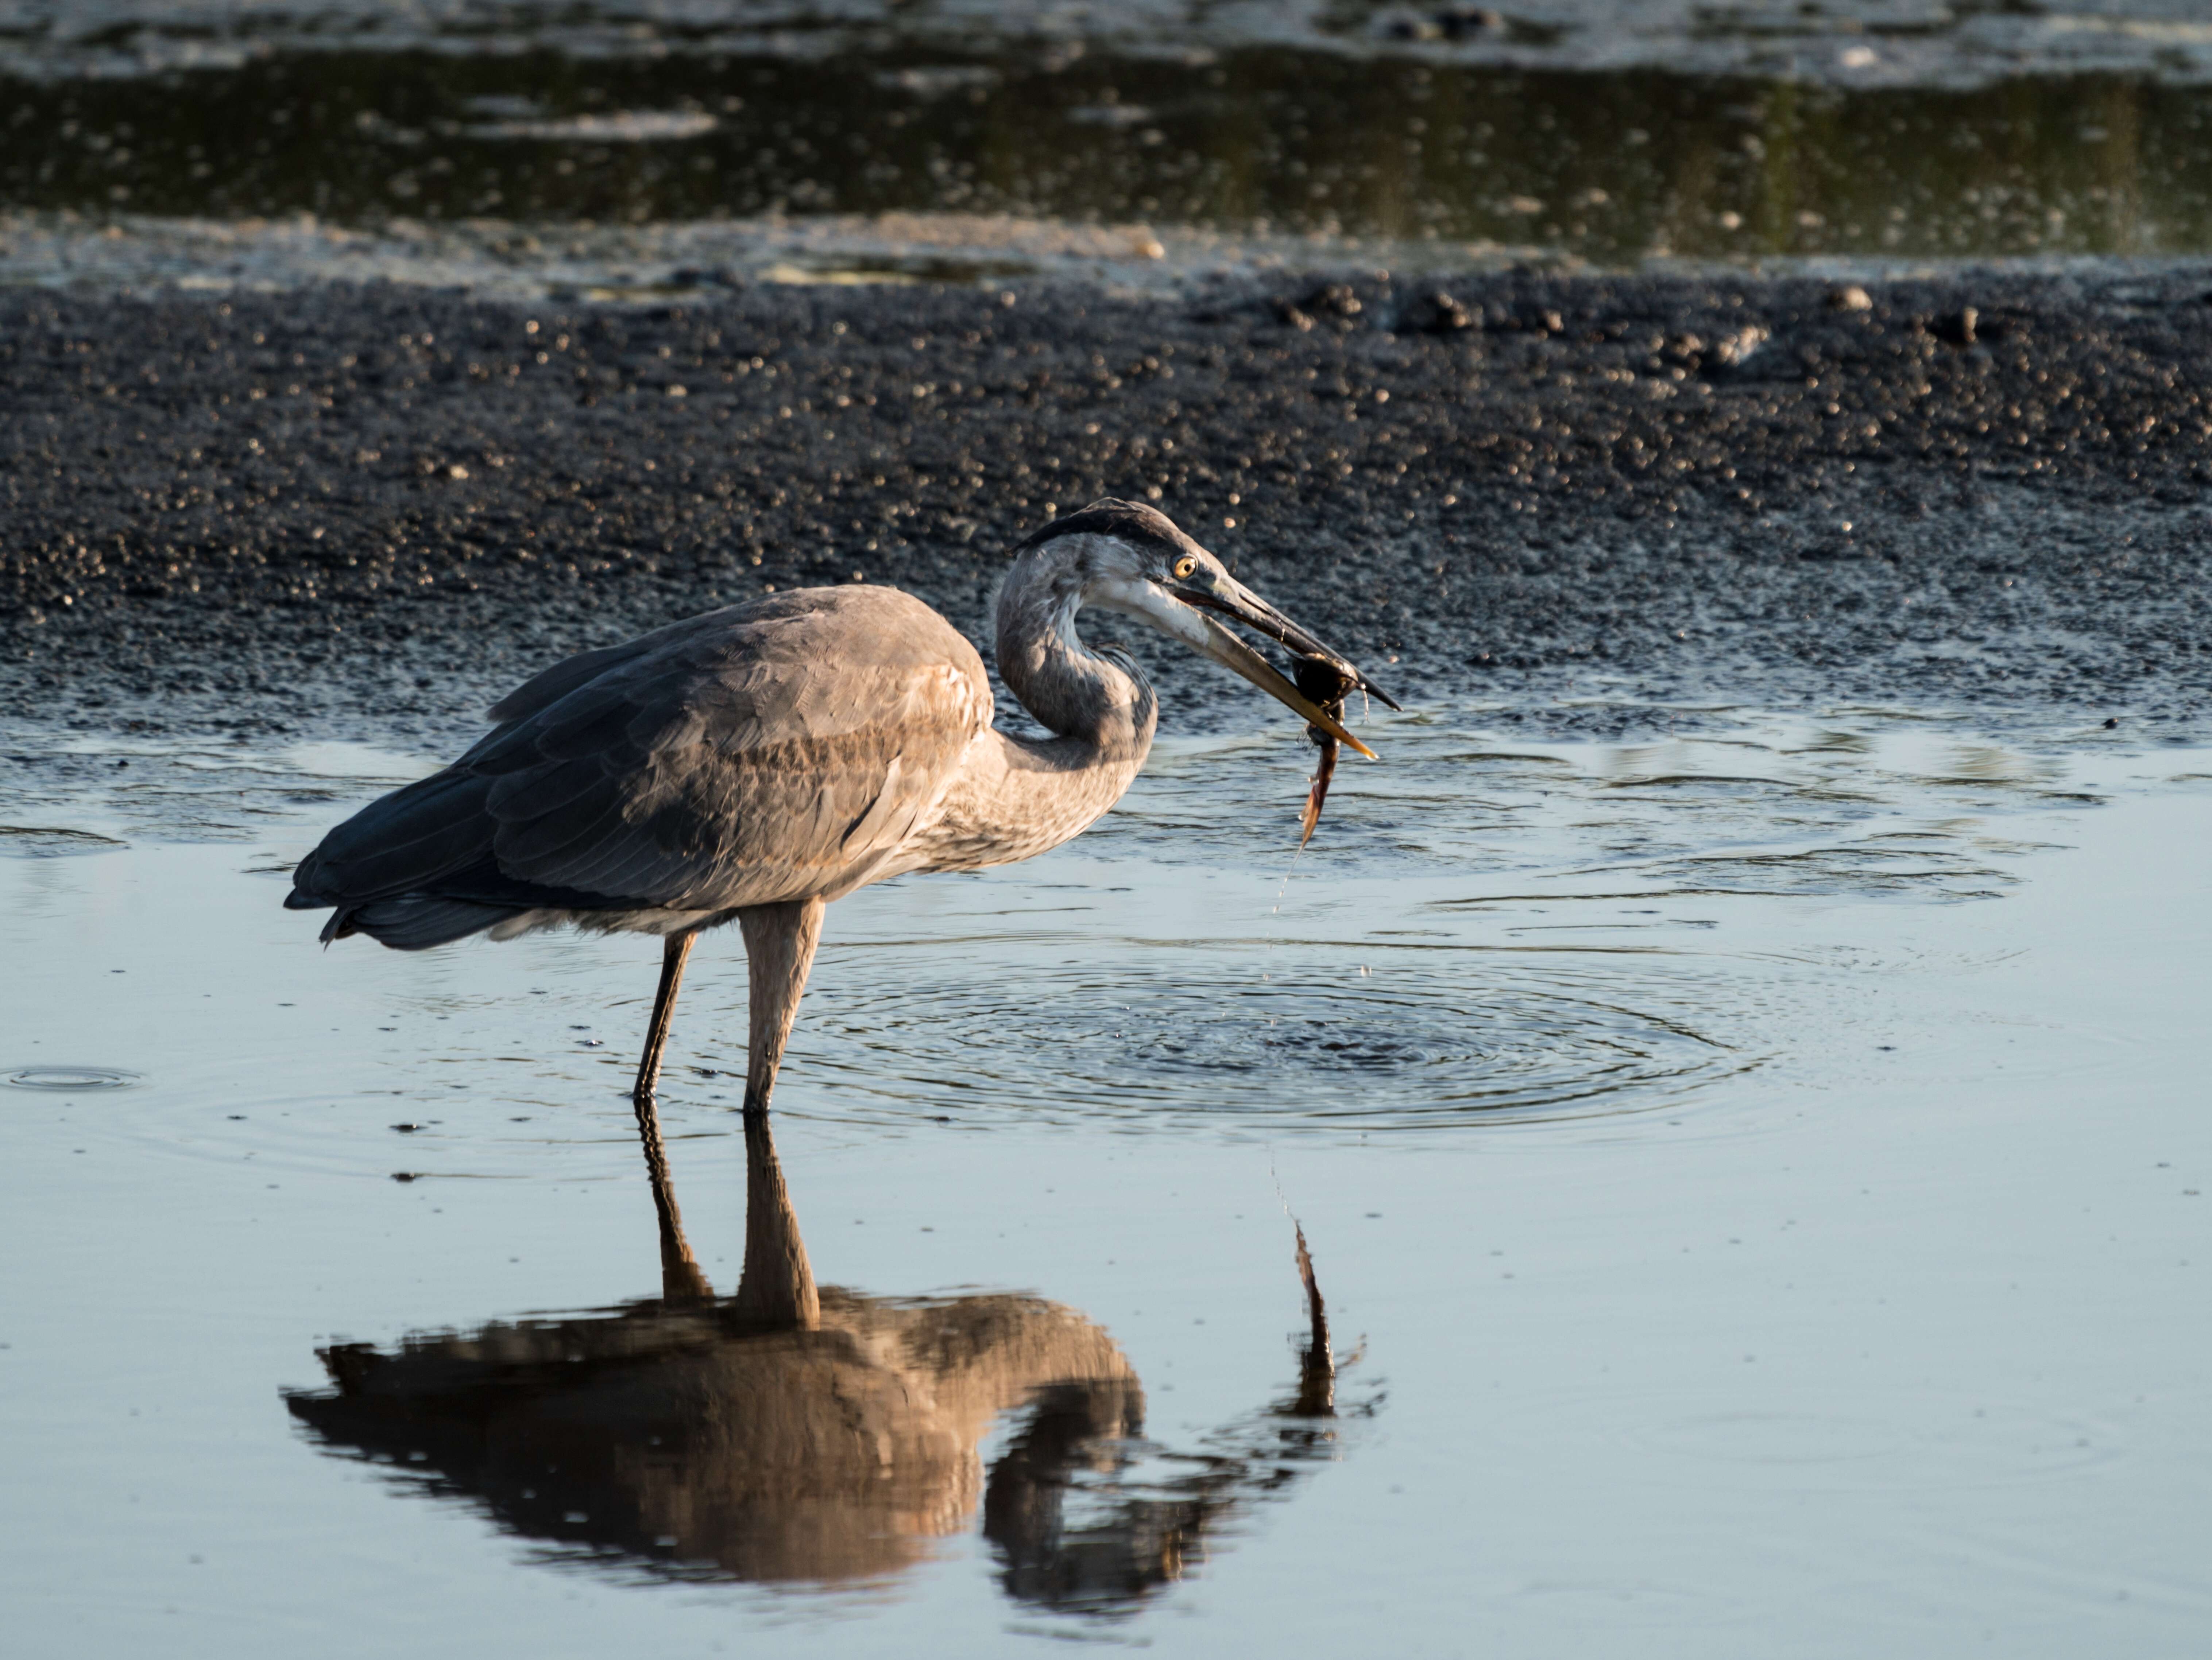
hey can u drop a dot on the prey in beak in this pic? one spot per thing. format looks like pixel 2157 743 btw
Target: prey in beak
pixel 1141 564
pixel 1325 676
pixel 1320 667
pixel 1321 682
pixel 1230 653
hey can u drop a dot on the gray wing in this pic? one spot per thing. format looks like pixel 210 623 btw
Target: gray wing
pixel 766 752
pixel 549 687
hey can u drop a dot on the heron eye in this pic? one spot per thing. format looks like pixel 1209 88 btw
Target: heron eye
pixel 1184 566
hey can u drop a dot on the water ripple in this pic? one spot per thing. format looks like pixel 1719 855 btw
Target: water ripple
pixel 1418 1038
pixel 69 1079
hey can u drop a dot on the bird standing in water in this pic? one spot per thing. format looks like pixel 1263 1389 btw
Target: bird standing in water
pixel 761 760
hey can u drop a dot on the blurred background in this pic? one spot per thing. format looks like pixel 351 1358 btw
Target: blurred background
pixel 665 144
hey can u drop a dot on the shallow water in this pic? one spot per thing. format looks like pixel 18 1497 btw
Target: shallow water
pixel 635 151
pixel 1612 166
pixel 1756 1175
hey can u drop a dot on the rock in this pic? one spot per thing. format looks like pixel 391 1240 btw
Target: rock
pixel 1732 350
pixel 1959 328
pixel 1436 313
pixel 1338 301
pixel 1469 23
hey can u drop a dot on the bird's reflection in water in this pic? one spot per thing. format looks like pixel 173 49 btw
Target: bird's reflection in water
pixel 790 1434
pixel 1081 1447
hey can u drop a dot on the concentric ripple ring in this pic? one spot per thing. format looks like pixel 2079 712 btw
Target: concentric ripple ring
pixel 1425 1038
pixel 69 1079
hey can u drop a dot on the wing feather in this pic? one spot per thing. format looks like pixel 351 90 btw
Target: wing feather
pixel 760 753
pixel 431 826
pixel 544 802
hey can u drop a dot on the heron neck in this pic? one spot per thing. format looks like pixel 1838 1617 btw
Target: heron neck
pixel 1097 700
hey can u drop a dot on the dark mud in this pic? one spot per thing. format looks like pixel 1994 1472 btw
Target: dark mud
pixel 370 510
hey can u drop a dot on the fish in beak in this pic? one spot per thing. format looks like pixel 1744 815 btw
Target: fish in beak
pixel 1222 594
pixel 1183 600
pixel 1325 685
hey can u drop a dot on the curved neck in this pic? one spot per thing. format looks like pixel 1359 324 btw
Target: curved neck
pixel 1099 699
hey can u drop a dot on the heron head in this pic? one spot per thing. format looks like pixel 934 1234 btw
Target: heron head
pixel 1135 560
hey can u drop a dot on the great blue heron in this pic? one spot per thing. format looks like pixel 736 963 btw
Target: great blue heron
pixel 763 759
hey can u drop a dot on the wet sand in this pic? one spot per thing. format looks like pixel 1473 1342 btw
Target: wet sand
pixel 363 510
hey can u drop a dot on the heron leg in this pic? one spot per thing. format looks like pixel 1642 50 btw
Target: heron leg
pixel 680 1275
pixel 675 951
pixel 780 942
pixel 777 1288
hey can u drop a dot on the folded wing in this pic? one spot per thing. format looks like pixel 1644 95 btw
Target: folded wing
pixel 766 752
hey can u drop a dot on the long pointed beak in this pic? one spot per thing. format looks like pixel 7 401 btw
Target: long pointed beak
pixel 1176 613
pixel 1230 653
pixel 1232 599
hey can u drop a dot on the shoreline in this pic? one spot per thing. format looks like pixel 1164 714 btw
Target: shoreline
pixel 367 511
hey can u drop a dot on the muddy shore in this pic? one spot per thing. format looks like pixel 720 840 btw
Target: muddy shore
pixel 365 511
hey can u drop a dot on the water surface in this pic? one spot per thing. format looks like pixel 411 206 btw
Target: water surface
pixel 653 150
pixel 1756 1173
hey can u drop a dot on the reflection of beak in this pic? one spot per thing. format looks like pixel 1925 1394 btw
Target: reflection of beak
pixel 1232 599
pixel 1225 649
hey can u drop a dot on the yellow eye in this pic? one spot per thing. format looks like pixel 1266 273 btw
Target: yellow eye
pixel 1184 566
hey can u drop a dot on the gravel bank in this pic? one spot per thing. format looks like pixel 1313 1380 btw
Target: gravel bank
pixel 368 510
